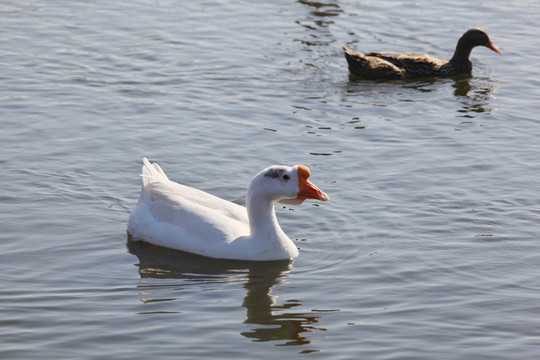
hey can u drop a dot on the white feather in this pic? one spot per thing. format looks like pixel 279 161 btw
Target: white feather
pixel 184 218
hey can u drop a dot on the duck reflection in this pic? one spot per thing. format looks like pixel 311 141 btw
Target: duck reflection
pixel 473 93
pixel 322 9
pixel 160 263
pixel 317 22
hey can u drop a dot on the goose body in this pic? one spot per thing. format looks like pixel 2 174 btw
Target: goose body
pixel 184 218
pixel 380 65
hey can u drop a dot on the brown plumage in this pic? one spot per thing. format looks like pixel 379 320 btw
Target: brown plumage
pixel 376 65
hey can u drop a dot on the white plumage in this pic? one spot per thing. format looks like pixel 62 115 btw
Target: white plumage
pixel 184 218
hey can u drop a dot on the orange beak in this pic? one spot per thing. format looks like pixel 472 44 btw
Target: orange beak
pixel 493 47
pixel 307 189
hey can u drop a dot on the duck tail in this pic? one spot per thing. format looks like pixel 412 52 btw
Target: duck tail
pixel 346 49
pixel 353 58
pixel 152 173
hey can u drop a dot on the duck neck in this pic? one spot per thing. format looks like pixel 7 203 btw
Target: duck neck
pixel 262 219
pixel 463 51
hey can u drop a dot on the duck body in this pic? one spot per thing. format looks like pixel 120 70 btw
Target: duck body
pixel 180 217
pixel 381 65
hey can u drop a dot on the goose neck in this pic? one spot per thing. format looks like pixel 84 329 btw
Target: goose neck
pixel 262 217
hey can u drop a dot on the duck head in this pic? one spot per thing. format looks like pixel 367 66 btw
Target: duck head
pixel 285 185
pixel 472 38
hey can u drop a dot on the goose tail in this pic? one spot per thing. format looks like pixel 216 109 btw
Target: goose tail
pixel 152 173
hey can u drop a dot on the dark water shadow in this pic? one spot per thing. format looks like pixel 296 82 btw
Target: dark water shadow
pixel 322 12
pixel 271 322
pixel 472 93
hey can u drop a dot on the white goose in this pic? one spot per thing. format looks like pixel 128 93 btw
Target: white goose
pixel 183 218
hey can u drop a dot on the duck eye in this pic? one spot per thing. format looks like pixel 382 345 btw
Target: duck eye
pixel 286 177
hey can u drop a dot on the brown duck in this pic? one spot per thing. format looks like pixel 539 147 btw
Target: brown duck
pixel 376 65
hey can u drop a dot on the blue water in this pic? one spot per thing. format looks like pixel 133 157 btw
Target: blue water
pixel 428 250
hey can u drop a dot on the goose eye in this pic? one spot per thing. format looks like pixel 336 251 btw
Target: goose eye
pixel 286 177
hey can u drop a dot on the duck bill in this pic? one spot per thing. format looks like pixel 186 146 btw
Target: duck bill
pixel 310 191
pixel 493 47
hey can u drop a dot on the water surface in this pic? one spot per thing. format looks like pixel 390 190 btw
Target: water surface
pixel 428 250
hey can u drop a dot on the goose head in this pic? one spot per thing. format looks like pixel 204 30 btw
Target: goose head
pixel 285 185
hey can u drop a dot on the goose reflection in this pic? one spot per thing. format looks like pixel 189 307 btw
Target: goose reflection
pixel 260 305
pixel 271 322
